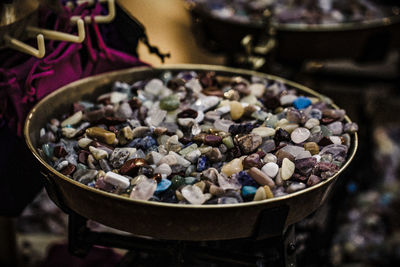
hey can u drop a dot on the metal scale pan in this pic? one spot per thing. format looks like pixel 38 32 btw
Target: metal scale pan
pixel 362 41
pixel 162 220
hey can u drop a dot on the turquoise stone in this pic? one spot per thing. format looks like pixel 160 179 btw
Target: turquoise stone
pixel 301 102
pixel 163 185
pixel 48 150
pixel 248 190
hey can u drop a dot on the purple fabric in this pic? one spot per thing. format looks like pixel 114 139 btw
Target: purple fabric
pixel 24 85
pixel 102 58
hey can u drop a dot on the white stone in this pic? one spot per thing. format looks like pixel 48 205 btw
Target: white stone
pixel 144 190
pixel 205 102
pixel 223 125
pixel 193 156
pixel 304 154
pixel 181 161
pixel 156 118
pixel 62 165
pixel 68 132
pixel 271 169
pixel 84 142
pixel 293 150
pixel 193 194
pixel 260 194
pixel 318 157
pixel 163 169
pixel 257 89
pixel 154 86
pixel 311 123
pixel 264 131
pixel 300 135
pixel 117 180
pixel 287 99
pixel 200 116
pixel 97 153
pixel 116 97
pixel 72 120
pixel 196 129
pixel 335 139
pixel 270 158
pixel 250 99
pixel 287 169
pixel 169 160
pixel 228 183
pixel 293 187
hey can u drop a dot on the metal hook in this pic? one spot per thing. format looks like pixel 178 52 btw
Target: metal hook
pixel 60 36
pixel 24 48
pixel 99 19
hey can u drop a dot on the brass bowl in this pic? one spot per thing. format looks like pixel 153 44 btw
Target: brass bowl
pixel 163 220
pixel 367 40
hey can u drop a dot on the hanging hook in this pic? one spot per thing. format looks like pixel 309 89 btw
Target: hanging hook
pixel 24 48
pixel 99 19
pixel 60 36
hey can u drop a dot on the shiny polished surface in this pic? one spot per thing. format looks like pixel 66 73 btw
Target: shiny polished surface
pixel 163 220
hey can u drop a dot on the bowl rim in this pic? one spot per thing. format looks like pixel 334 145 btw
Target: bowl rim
pixel 303 27
pixel 183 67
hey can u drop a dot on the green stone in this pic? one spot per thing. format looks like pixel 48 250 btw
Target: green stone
pixel 205 128
pixel 48 150
pixel 315 129
pixel 177 181
pixel 228 141
pixel 325 131
pixel 259 115
pixel 271 121
pixel 169 103
pixel 81 166
pixel 188 149
pixel 337 163
pixel 191 180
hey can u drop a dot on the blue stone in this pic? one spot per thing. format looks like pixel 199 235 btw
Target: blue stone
pixel 147 142
pixel 245 179
pixel 152 148
pixel 301 102
pixel 91 184
pixel 316 114
pixel 248 191
pixel 201 163
pixel 163 185
pixel 188 144
pixel 134 143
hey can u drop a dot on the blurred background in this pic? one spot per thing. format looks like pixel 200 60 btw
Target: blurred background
pixel 358 67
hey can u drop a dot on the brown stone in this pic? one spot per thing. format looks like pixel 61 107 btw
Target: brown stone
pixel 132 166
pixel 252 160
pixel 69 169
pixel 59 152
pixel 261 177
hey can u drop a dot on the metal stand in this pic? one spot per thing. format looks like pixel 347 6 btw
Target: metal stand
pixel 279 251
pixel 257 251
